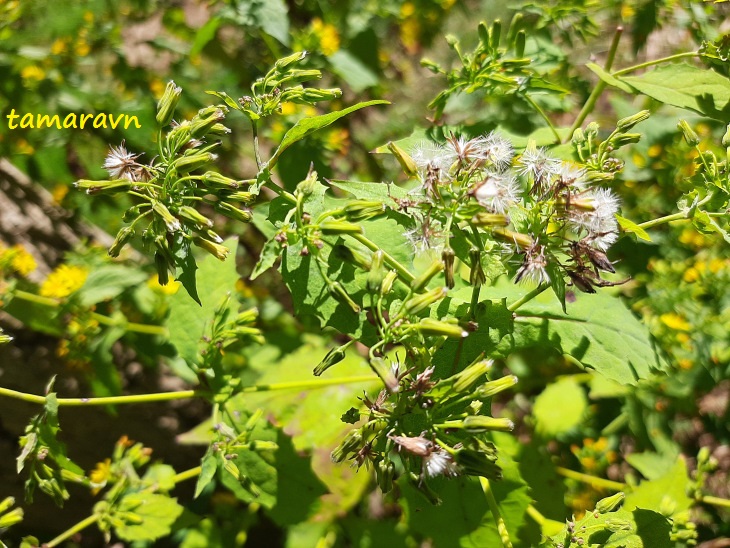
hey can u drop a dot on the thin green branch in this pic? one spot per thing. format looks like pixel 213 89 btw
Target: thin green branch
pixel 544 116
pixel 402 271
pixel 494 507
pixel 527 297
pixel 68 533
pixel 685 55
pixel 594 481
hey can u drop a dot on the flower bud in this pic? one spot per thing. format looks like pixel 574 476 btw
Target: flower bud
pixel 103 187
pixel 233 212
pixel 200 126
pixel 483 218
pixel 285 62
pixel 334 356
pixel 489 389
pixel 6 504
pixel 350 444
pixel 609 504
pixel 213 179
pixel 447 256
pixel 167 103
pixel 339 227
pixel 405 161
pixel 617 525
pixel 123 236
pixel 428 326
pixel 388 282
pixel 688 133
pixel 306 187
pixel 726 137
pixel 384 473
pixel 298 76
pixel 520 44
pixel 162 270
pixel 362 210
pixel 523 241
pixel 218 251
pixel 186 164
pixel 421 281
pixel 351 256
pixel 428 64
pixel 219 129
pixel 476 274
pixel 11 518
pixel 464 380
pixel 626 139
pixel 171 222
pixel 476 424
pixel 418 303
pixel 312 95
pixel 375 276
pixel 592 129
pixel 191 214
pixel 4 337
pixel 495 34
pixel 244 197
pixel 477 463
pixel 386 374
pixel 625 124
pixel 578 138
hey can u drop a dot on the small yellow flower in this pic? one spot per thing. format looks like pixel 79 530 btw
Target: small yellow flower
pixel 100 475
pixel 63 281
pixel 685 363
pixel 716 265
pixel 32 72
pixel 59 46
pixel 59 193
pixel 329 38
pixel 82 48
pixel 691 275
pixel 674 321
pixel 22 261
pixel 170 289
pixel 157 87
pixel 288 108
pixel 655 151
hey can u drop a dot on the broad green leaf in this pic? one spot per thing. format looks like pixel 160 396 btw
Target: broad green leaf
pixel 353 71
pixel 619 529
pixel 654 465
pixel 187 266
pixel 384 192
pixel 686 86
pixel 205 34
pixel 209 466
pixel 560 407
pixel 270 252
pixel 153 514
pixel 160 477
pixel 107 282
pixel 630 226
pixel 668 492
pixel 608 78
pixel 309 125
pixel 273 17
pixel 187 321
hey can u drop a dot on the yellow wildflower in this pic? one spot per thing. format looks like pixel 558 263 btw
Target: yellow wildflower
pixel 89 16
pixel 685 363
pixel 32 72
pixel 674 321
pixel 63 281
pixel 22 261
pixel 716 265
pixel 100 475
pixel 59 193
pixel 59 46
pixel 157 87
pixel 288 108
pixel 329 38
pixel 82 48
pixel 691 275
pixel 654 151
pixel 170 289
pixel 410 32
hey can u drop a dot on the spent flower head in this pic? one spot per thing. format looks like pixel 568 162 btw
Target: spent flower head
pixel 121 164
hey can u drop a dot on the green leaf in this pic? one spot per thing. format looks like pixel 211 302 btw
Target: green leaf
pixel 108 282
pixel 686 86
pixel 418 136
pixel 273 17
pixel 631 226
pixel 560 407
pixel 209 466
pixel 186 268
pixel 270 252
pixel 205 34
pixel 384 192
pixel 353 71
pixel 307 126
pixel 639 529
pixel 654 465
pixel 153 514
pixel 668 492
pixel 187 321
pixel 608 78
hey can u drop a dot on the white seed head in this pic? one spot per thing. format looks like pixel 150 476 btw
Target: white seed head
pixel 497 192
pixel 439 462
pixel 121 164
pixel 537 163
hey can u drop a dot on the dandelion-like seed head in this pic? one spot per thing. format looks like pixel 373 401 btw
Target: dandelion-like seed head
pixel 497 192
pixel 572 176
pixel 534 266
pixel 121 164
pixel 429 154
pixel 595 212
pixel 468 150
pixel 499 151
pixel 439 462
pixel 428 234
pixel 536 163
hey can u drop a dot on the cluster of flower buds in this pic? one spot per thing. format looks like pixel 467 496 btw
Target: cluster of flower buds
pixel 450 444
pixel 169 191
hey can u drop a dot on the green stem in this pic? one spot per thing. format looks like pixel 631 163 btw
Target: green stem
pixel 541 520
pixel 662 220
pixel 600 86
pixel 68 533
pixel 257 153
pixel 280 191
pixel 599 483
pixel 187 474
pixel 527 297
pixel 715 501
pixel 669 59
pixel 544 116
pixel 494 507
pixel 402 271
pixel 184 394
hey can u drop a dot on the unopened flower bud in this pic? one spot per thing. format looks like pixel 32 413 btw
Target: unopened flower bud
pixel 406 162
pixel 339 227
pixel 292 59
pixel 167 103
pixel 306 187
pixel 244 197
pixel 447 256
pixel 200 125
pixel 298 76
pixel 375 276
pixel 418 303
pixel 191 214
pixel 4 337
pixel 421 281
pixel 464 380
pixel 362 210
pixel 520 40
pixel 384 473
pixel 617 525
pixel 477 463
pixel 233 212
pixel 476 424
pixel 388 282
pixel 429 326
pixel 433 66
pixel 592 129
pixel 219 129
pixel 123 236
pixel 312 95
pixel 163 275
pixel 483 218
pixel 688 133
pixel 578 138
pixel 171 222
pixel 339 293
pixel 726 137
pixel 352 256
pixel 334 356
pixel 218 251
pixel 609 504
pixel 489 389
pixel 626 139
pixel 625 124
pixel 11 518
pixel 350 444
pixel 476 274
pixel 103 187
pixel 521 240
pixel 186 164
pixel 213 179
pixel 386 374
